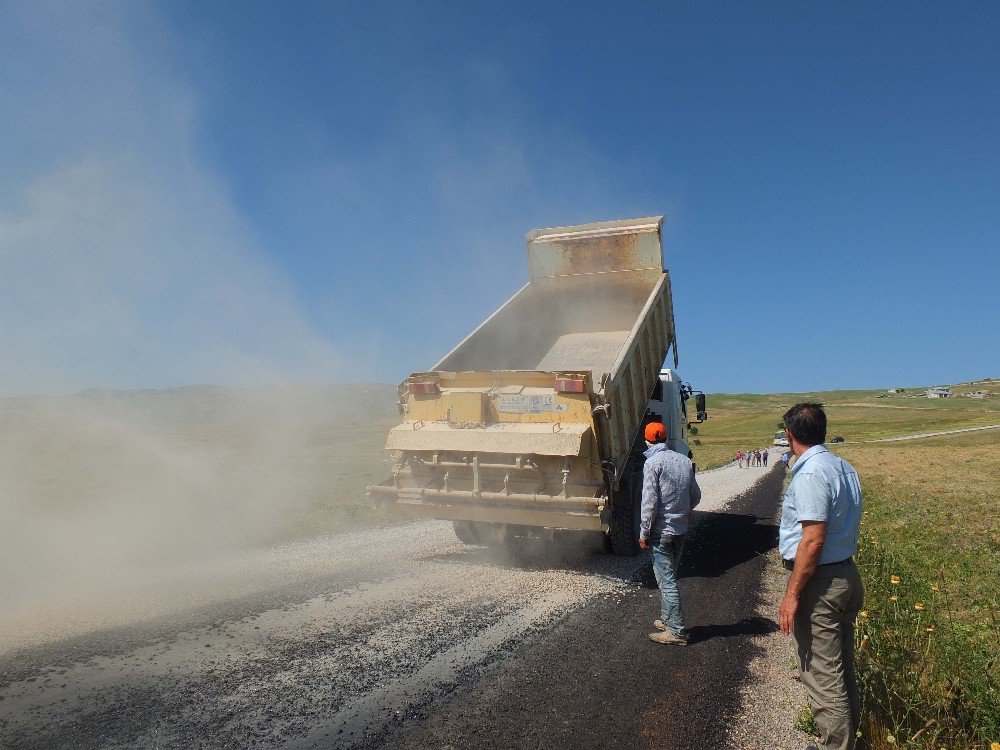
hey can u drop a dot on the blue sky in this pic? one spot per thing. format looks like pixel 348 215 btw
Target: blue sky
pixel 254 192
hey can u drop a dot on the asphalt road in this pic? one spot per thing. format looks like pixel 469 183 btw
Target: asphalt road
pixel 596 681
pixel 406 638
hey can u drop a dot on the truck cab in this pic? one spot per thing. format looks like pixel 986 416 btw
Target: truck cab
pixel 669 405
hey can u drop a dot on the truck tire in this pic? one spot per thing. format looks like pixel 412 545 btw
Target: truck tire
pixel 466 532
pixel 626 513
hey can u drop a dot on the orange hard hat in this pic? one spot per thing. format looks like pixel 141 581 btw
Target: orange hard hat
pixel 655 432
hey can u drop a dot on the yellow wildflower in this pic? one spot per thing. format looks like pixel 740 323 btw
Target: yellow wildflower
pixel 894 580
pixel 934 587
pixel 930 628
pixel 893 598
pixel 919 606
pixel 995 746
pixel 864 614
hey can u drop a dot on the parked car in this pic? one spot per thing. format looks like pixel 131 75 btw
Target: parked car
pixel 781 441
pixel 837 439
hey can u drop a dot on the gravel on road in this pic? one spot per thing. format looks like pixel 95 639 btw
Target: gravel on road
pixel 348 641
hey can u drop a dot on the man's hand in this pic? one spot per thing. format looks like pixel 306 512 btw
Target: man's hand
pixel 786 613
pixel 643 544
pixel 806 560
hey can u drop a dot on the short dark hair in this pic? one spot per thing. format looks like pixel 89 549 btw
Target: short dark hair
pixel 807 423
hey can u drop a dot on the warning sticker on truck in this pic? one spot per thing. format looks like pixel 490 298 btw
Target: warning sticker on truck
pixel 529 404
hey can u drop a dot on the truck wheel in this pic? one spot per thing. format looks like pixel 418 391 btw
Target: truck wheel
pixel 466 532
pixel 626 513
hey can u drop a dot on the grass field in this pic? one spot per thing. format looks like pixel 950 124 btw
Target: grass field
pixel 930 559
pixel 751 420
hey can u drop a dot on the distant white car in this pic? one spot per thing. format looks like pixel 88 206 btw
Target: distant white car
pixel 781 441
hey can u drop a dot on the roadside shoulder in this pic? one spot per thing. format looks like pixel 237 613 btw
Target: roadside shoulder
pixel 770 700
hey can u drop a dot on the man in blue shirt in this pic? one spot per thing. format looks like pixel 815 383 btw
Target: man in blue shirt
pixel 669 492
pixel 820 518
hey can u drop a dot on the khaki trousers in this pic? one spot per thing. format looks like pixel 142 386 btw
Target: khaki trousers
pixel 824 634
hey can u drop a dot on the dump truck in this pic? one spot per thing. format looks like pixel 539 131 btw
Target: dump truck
pixel 534 423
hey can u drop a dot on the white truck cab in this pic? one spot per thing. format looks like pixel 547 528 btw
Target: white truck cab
pixel 669 405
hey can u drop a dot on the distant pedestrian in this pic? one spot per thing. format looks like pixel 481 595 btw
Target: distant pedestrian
pixel 756 458
pixel 784 459
pixel 820 518
pixel 764 455
pixel 739 458
pixel 669 492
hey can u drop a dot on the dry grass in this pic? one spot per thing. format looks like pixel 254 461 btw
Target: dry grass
pixel 751 420
pixel 940 505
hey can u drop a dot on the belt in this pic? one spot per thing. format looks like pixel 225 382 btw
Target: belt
pixel 789 564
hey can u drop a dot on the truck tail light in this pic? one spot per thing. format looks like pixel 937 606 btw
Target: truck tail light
pixel 424 389
pixel 569 386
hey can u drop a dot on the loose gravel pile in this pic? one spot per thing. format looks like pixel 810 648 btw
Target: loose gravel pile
pixel 771 699
pixel 343 663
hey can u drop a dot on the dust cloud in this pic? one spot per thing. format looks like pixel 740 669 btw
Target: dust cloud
pixel 125 262
pixel 569 323
pixel 116 491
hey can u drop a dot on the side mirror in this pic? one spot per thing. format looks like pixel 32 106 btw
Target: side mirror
pixel 699 401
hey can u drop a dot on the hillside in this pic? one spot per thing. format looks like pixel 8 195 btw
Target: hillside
pixel 751 420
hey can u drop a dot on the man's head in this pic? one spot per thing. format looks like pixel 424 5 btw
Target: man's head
pixel 805 426
pixel 656 433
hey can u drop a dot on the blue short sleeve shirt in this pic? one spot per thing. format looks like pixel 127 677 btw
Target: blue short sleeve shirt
pixel 824 487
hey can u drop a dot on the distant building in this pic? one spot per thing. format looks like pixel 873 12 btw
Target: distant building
pixel 976 394
pixel 939 393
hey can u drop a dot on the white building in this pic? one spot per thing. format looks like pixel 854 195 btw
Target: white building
pixel 938 392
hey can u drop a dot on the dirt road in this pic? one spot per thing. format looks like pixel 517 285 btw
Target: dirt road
pixel 402 637
pixel 929 434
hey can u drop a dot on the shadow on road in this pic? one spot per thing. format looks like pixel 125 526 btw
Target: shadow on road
pixel 746 626
pixel 718 543
pixel 721 541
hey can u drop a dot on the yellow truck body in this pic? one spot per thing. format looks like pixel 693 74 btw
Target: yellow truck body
pixel 534 420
